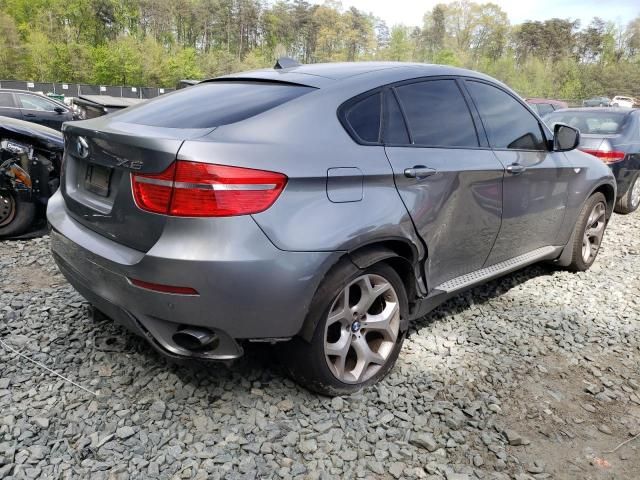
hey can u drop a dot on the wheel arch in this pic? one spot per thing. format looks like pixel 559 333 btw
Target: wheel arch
pixel 400 255
pixel 609 193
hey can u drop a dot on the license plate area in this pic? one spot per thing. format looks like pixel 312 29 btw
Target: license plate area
pixel 97 179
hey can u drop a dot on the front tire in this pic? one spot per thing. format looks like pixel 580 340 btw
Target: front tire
pixel 358 334
pixel 588 233
pixel 630 201
pixel 16 215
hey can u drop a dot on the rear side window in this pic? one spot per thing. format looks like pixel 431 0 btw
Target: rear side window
pixel 364 118
pixel 209 105
pixel 6 99
pixel 590 122
pixel 508 124
pixel 437 114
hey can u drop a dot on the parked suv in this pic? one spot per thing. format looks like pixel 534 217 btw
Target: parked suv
pixel 620 101
pixel 33 107
pixel 324 206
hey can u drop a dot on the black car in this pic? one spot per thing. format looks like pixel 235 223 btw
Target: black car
pixel 613 135
pixel 33 107
pixel 30 161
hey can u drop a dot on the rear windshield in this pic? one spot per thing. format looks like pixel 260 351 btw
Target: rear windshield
pixel 212 104
pixel 596 123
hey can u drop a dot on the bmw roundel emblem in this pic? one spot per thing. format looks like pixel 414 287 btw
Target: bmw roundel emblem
pixel 82 147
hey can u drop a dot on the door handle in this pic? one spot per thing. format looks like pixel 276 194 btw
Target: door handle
pixel 419 172
pixel 516 168
pixel 29 115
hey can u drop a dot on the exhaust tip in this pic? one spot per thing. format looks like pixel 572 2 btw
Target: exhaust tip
pixel 196 339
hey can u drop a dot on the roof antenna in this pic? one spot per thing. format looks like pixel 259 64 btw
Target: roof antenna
pixel 285 62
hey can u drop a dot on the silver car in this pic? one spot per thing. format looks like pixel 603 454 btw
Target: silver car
pixel 319 207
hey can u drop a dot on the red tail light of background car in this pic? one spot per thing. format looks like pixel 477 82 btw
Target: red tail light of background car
pixel 608 157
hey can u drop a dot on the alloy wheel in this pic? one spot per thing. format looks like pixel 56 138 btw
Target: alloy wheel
pixel 7 209
pixel 362 328
pixel 593 232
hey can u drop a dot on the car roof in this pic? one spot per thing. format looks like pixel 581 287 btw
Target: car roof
pixel 545 100
pixel 598 110
pixel 322 74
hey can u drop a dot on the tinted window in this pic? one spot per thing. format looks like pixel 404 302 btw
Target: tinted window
pixel 437 114
pixel 209 105
pixel 507 122
pixel 6 100
pixel 33 102
pixel 364 118
pixel 395 130
pixel 590 122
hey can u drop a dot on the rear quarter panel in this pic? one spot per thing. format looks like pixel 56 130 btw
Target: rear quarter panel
pixel 304 140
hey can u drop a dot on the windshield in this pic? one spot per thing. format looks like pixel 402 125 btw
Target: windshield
pixel 596 123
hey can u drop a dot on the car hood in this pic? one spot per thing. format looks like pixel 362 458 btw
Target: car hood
pixel 37 135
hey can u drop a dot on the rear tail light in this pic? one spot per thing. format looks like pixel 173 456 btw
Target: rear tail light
pixel 610 156
pixel 194 189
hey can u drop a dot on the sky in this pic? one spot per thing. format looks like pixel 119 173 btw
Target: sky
pixel 410 12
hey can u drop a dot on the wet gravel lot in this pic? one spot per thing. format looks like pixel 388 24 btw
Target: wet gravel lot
pixel 536 375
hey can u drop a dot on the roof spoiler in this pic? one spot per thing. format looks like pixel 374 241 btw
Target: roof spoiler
pixel 285 62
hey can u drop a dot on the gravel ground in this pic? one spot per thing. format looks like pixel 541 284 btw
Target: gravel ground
pixel 536 375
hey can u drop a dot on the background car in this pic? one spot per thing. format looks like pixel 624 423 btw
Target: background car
pixel 597 102
pixel 620 101
pixel 91 106
pixel 542 106
pixel 325 206
pixel 613 135
pixel 30 161
pixel 33 107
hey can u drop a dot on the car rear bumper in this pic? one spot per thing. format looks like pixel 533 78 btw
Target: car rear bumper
pixel 247 288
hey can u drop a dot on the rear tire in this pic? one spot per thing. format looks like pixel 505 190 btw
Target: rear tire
pixel 358 334
pixel 588 233
pixel 16 215
pixel 630 201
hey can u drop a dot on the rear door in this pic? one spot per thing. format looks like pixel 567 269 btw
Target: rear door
pixel 41 110
pixel 536 182
pixel 8 107
pixel 450 182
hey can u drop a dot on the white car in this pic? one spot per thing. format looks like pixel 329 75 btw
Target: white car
pixel 619 101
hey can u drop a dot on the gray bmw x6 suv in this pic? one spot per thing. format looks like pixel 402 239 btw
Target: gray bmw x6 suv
pixel 324 206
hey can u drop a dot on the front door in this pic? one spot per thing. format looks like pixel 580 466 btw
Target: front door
pixel 449 181
pixel 536 182
pixel 40 110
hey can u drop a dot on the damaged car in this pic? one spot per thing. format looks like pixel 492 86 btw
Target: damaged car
pixel 30 161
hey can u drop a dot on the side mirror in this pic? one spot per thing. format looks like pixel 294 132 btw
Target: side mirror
pixel 565 138
pixel 59 110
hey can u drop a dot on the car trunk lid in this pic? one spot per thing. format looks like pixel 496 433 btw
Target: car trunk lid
pixel 100 156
